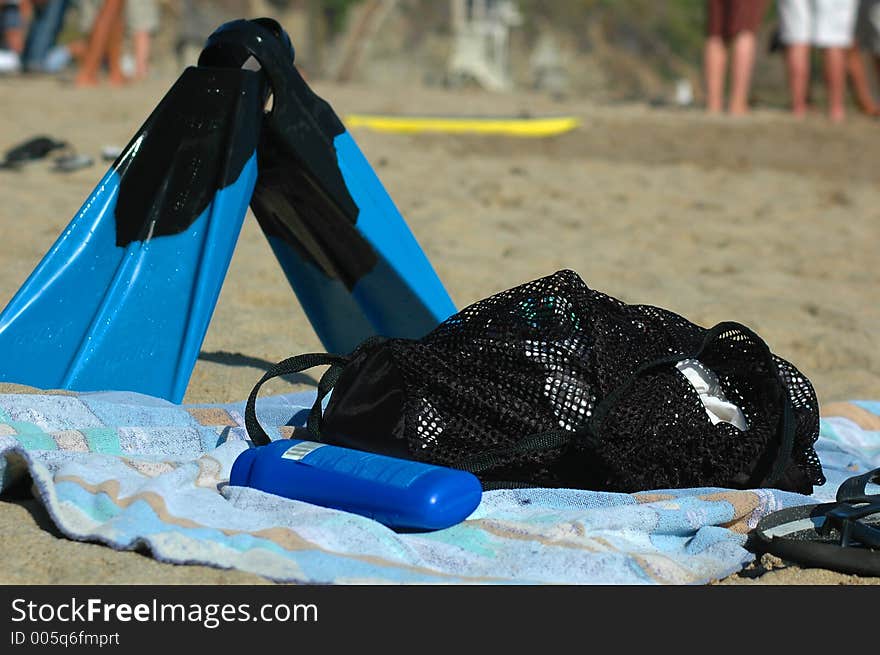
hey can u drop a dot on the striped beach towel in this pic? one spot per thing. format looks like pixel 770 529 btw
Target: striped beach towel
pixel 130 471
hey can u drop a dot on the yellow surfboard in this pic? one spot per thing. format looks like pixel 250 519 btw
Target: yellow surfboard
pixel 524 127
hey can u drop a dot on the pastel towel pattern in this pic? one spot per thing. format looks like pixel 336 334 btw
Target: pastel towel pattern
pixel 131 471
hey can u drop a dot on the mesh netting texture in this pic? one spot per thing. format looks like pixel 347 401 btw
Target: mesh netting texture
pixel 554 384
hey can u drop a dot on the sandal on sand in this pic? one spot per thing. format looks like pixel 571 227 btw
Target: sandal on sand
pixel 72 162
pixel 31 150
pixel 841 536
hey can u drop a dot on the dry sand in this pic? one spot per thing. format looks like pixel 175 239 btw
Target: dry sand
pixel 762 220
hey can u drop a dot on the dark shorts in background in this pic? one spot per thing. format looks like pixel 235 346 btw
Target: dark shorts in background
pixel 727 18
pixel 10 17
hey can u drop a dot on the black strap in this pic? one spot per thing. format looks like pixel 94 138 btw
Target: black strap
pixel 297 364
pixel 286 367
pixel 853 489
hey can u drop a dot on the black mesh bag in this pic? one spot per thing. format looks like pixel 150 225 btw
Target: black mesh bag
pixel 553 384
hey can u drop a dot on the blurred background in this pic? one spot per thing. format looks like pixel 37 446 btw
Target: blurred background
pixel 607 50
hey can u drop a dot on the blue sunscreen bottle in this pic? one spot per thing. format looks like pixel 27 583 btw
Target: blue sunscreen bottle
pixel 397 492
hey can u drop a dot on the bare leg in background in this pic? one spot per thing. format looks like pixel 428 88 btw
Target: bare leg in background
pixel 797 59
pixel 743 56
pixel 835 81
pixel 714 66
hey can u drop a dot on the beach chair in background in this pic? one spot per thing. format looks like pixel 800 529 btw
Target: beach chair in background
pixel 124 297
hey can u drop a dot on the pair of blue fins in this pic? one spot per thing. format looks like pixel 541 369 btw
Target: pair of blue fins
pixel 124 297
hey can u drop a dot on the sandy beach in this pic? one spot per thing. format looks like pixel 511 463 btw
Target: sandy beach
pixel 763 220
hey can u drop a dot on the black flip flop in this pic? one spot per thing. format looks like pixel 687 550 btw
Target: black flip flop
pixel 31 150
pixel 842 536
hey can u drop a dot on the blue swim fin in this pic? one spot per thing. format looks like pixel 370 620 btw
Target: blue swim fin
pixel 124 297
pixel 343 245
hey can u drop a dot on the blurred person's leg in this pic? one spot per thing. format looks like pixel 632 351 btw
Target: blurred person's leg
pixel 143 20
pixel 797 61
pixel 114 50
pixel 835 81
pixel 88 11
pixel 743 62
pixel 745 21
pixel 48 19
pixel 835 31
pixel 141 44
pixel 795 19
pixel 714 64
pixel 13 28
pixel 858 78
pixel 107 19
pixel 868 32
pixel 715 56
